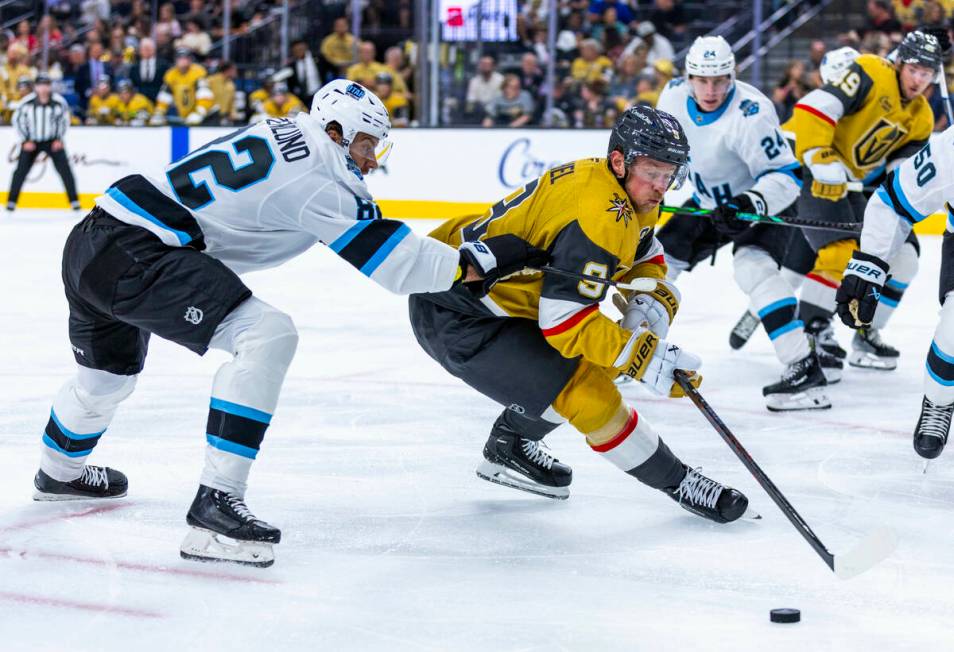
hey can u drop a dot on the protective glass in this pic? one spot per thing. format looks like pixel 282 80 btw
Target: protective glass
pixel 672 180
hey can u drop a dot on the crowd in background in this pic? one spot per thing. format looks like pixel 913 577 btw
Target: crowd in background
pixel 115 65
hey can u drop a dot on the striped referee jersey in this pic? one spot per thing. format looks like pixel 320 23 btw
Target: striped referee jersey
pixel 41 122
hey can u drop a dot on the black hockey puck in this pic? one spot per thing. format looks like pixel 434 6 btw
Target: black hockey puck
pixel 785 615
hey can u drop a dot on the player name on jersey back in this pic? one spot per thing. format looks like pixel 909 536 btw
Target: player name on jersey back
pixel 291 142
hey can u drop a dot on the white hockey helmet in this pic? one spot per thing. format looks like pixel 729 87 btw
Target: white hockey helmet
pixel 355 109
pixel 834 64
pixel 710 56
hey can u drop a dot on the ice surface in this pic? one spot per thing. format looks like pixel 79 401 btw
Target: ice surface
pixel 392 543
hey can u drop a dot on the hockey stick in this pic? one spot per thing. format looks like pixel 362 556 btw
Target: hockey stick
pixel 946 97
pixel 801 222
pixel 871 550
pixel 639 284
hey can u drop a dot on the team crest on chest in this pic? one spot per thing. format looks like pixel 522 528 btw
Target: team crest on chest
pixel 621 207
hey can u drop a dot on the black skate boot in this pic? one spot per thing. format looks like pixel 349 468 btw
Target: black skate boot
pixel 823 335
pixel 525 464
pixel 930 434
pixel 801 387
pixel 870 352
pixel 97 482
pixel 709 499
pixel 223 529
pixel 743 329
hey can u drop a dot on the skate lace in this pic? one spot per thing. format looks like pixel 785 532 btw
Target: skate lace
pixel 935 420
pixel 699 490
pixel 239 507
pixel 873 337
pixel 792 371
pixel 536 454
pixel 94 476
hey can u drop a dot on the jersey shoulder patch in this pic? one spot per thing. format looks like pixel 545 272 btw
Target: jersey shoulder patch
pixel 748 107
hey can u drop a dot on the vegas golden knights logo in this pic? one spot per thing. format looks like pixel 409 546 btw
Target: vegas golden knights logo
pixel 877 143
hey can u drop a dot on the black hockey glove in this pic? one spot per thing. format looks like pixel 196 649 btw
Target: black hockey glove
pixel 497 257
pixel 724 216
pixel 860 290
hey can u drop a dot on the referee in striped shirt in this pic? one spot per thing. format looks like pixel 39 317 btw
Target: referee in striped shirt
pixel 41 119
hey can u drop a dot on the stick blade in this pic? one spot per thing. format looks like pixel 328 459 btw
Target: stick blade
pixel 639 284
pixel 867 553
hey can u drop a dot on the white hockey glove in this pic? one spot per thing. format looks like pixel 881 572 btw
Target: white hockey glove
pixel 194 118
pixel 830 175
pixel 652 361
pixel 654 310
pixel 157 120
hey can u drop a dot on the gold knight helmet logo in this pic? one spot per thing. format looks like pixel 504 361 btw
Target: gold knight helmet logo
pixel 877 143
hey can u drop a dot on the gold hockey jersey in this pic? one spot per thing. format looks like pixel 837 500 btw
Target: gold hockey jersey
pixel 138 109
pixel 188 91
pixel 102 110
pixel 863 116
pixel 583 217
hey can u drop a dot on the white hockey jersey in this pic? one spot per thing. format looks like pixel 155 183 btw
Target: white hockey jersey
pixel 736 148
pixel 266 193
pixel 920 186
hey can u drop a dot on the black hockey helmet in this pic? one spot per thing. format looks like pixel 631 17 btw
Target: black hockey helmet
pixel 921 49
pixel 644 131
pixel 943 40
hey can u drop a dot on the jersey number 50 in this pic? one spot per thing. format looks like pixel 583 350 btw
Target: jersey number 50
pixel 224 171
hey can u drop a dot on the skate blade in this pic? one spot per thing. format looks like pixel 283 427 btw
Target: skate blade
pixel 865 360
pixel 44 497
pixel 810 399
pixel 750 515
pixel 208 546
pixel 499 474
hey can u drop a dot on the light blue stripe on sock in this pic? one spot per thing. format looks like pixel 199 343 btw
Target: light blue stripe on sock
pixel 790 326
pixel 781 303
pixel 69 433
pixel 52 444
pixel 231 447
pixel 240 410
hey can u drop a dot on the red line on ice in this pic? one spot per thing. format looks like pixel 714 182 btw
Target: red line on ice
pixel 73 604
pixel 132 566
pixel 26 525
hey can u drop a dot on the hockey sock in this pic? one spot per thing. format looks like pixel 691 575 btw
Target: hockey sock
pixel 526 427
pixel 637 449
pixel 904 267
pixel 82 410
pixel 245 390
pixel 939 370
pixel 757 274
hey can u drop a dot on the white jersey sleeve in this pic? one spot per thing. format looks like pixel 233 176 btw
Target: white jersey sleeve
pixel 767 155
pixel 920 186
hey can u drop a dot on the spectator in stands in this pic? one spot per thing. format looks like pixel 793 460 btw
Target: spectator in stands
pixel 594 110
pixel 147 70
pixel 93 10
pixel 531 75
pixel 258 97
pixel 609 31
pixel 564 104
pixel 199 13
pixel 597 9
pixel 195 39
pixel 367 67
pixel 401 71
pixel 132 108
pixel 167 27
pixel 25 36
pixel 933 15
pixel 23 88
pixel 227 104
pixel 567 41
pixel 881 18
pixel 75 61
pixel 54 37
pixel 282 104
pixel 88 76
pixel 663 71
pixel 657 46
pixel 484 87
pixel 790 89
pixel 512 108
pixel 304 80
pixel 395 102
pixel 17 66
pixel 338 47
pixel 102 104
pixel 591 65
pixel 623 87
pixel 670 18
pixel 816 52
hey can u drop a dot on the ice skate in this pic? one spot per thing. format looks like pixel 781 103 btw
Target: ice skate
pixel 930 435
pixel 96 483
pixel 223 529
pixel 870 352
pixel 824 336
pixel 743 329
pixel 801 387
pixel 710 499
pixel 524 464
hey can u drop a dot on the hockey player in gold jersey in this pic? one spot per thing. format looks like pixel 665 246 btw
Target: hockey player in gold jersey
pixel 539 345
pixel 185 87
pixel 103 104
pixel 132 108
pixel 856 127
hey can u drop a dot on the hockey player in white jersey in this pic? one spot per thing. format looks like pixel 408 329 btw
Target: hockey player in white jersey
pixel 922 185
pixel 161 256
pixel 741 163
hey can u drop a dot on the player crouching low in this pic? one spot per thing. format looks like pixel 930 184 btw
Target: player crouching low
pixel 539 345
pixel 921 186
